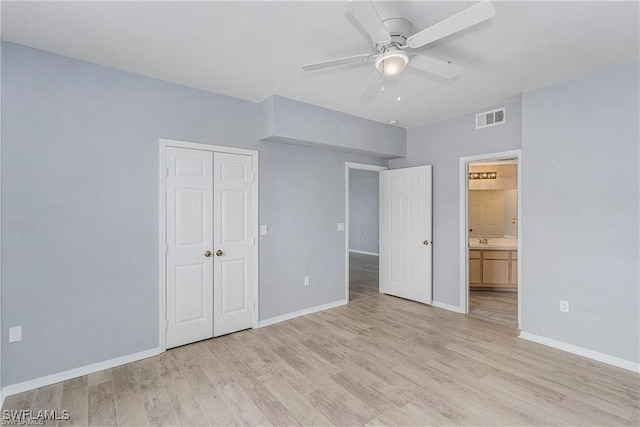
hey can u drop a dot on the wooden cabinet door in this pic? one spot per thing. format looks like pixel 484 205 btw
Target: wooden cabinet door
pixel 475 271
pixel 495 268
pixel 495 272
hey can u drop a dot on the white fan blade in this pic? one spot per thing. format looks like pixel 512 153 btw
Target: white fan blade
pixel 336 62
pixel 434 66
pixel 367 16
pixel 371 89
pixel 458 22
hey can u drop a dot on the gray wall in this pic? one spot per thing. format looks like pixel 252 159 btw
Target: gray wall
pixel 363 210
pixel 80 208
pixel 302 210
pixel 580 187
pixel 442 144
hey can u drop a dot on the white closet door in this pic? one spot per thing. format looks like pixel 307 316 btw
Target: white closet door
pixel 233 243
pixel 189 217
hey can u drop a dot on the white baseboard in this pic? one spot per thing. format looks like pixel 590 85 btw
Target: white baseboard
pixel 449 307
pixel 77 372
pixel 283 317
pixel 584 352
pixel 363 252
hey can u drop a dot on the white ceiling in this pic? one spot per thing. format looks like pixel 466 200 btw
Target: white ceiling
pixel 252 50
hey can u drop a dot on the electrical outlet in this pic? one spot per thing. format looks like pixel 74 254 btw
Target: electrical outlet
pixel 341 226
pixel 306 280
pixel 264 230
pixel 564 306
pixel 15 334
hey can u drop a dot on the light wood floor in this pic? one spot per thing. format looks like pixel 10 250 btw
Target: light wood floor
pixel 496 306
pixel 363 276
pixel 376 361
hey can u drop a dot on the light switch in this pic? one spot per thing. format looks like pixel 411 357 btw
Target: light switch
pixel 341 226
pixel 264 230
pixel 15 334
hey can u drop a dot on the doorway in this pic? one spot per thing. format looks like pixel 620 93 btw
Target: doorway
pixel 209 254
pixel 490 230
pixel 361 230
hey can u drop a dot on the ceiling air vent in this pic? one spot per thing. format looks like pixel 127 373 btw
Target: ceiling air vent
pixel 490 118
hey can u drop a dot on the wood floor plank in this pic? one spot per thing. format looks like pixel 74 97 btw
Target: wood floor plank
pixel 378 402
pixel 19 402
pixel 102 407
pixel 363 276
pixel 156 401
pixel 48 399
pixel 379 360
pixel 427 415
pixel 214 408
pixel 129 404
pixel 331 409
pixel 183 401
pixel 528 403
pixel 75 399
pixel 292 376
pixel 270 406
pixel 242 406
pixel 299 407
pixel 252 361
pixel 99 377
pixel 211 366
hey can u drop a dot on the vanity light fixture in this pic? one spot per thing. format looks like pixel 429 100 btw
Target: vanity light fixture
pixel 483 175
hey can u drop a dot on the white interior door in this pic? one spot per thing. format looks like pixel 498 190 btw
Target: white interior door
pixel 233 243
pixel 189 228
pixel 405 233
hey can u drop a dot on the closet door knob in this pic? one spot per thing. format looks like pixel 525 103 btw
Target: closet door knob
pixel 426 242
pixel 219 252
pixel 207 254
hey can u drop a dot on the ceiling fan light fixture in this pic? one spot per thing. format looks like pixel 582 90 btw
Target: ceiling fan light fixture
pixel 392 62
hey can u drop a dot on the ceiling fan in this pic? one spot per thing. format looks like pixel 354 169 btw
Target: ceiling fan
pixel 392 40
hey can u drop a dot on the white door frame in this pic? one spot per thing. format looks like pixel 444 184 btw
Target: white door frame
pixel 162 241
pixel 464 228
pixel 347 167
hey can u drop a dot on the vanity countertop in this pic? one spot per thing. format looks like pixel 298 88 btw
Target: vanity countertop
pixel 496 243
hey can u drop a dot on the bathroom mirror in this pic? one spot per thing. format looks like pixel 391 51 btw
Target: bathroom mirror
pixel 493 213
pixel 493 203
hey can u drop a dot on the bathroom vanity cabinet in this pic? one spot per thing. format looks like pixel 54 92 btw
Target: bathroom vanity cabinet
pixel 493 269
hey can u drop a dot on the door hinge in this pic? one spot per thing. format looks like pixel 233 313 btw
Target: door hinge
pixel 254 306
pixel 253 241
pixel 166 325
pixel 166 249
pixel 167 171
pixel 253 177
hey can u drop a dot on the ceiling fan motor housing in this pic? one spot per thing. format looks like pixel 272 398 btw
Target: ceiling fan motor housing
pixel 399 29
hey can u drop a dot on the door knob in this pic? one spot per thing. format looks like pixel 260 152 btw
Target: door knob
pixel 426 242
pixel 219 252
pixel 207 254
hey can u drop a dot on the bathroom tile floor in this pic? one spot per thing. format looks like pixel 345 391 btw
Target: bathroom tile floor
pixel 496 306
